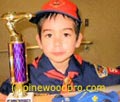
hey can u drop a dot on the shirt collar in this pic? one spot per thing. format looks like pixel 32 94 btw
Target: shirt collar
pixel 45 65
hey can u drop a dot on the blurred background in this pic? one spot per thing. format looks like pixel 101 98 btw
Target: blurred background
pixel 101 26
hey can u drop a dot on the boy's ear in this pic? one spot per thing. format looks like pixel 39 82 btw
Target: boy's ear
pixel 38 41
pixel 79 40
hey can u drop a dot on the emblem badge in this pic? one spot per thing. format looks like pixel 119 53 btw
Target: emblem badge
pixel 57 3
pixel 101 71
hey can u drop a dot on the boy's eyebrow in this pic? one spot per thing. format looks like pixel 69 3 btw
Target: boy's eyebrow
pixel 46 30
pixel 62 29
pixel 68 29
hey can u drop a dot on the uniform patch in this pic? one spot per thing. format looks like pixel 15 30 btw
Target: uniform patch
pixel 115 71
pixel 101 71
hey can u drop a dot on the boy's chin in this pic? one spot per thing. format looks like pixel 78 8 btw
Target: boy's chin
pixel 59 60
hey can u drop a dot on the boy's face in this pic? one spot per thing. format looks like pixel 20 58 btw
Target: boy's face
pixel 58 38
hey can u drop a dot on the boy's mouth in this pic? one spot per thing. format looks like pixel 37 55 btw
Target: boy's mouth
pixel 58 53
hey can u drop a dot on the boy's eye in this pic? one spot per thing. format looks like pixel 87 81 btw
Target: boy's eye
pixel 66 34
pixel 49 35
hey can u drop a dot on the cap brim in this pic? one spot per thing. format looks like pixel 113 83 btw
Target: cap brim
pixel 40 14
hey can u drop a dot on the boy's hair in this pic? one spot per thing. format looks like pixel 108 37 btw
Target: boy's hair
pixel 54 14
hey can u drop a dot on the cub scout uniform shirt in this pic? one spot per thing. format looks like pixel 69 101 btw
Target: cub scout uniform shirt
pixel 78 76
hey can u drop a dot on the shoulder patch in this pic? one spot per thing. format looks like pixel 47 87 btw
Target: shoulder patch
pixel 115 71
pixel 101 71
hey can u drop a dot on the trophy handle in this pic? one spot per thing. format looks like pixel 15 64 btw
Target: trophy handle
pixel 12 18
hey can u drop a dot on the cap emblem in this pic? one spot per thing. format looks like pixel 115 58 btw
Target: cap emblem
pixel 57 3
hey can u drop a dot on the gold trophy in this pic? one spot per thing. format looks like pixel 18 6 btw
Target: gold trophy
pixel 17 58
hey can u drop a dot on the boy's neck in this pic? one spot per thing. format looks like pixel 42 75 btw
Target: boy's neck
pixel 61 66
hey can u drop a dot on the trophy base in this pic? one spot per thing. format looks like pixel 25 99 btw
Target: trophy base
pixel 27 98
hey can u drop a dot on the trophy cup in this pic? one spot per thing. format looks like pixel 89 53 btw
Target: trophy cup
pixel 17 58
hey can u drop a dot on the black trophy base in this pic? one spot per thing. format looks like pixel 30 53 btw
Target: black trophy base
pixel 27 98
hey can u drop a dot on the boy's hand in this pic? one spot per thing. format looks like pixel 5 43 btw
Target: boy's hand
pixel 2 97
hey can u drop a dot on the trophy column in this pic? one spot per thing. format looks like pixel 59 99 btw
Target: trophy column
pixel 17 59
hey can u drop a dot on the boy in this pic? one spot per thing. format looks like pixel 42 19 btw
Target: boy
pixel 58 69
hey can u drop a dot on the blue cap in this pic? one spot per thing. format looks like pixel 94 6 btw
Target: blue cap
pixel 86 96
pixel 95 97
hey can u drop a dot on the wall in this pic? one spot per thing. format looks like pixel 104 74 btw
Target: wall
pixel 103 30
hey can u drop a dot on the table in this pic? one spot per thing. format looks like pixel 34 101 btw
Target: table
pixel 43 98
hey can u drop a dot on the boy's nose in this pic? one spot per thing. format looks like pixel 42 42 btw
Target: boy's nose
pixel 57 42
